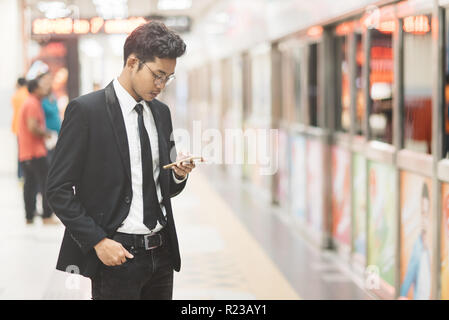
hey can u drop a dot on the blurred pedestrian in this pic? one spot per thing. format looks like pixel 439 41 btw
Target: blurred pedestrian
pixel 32 133
pixel 17 101
pixel 53 123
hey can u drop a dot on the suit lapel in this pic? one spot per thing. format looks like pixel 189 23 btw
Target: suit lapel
pixel 163 150
pixel 118 125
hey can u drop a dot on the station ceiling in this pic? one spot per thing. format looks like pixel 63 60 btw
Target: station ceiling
pixel 133 8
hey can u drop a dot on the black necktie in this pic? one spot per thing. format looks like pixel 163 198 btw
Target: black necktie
pixel 151 208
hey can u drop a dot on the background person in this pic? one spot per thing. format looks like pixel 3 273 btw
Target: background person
pixel 52 121
pixel 32 133
pixel 17 101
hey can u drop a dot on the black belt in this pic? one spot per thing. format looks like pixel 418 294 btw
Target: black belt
pixel 141 241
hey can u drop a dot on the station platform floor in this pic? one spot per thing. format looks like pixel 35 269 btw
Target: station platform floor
pixel 234 245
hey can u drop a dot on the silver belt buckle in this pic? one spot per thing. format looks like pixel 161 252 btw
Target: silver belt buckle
pixel 146 239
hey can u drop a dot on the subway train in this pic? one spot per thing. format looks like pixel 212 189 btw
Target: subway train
pixel 359 96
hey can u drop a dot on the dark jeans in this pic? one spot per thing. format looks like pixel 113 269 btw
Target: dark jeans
pixel 19 166
pixel 148 276
pixel 35 173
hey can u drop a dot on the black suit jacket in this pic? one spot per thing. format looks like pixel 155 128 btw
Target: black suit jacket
pixel 89 180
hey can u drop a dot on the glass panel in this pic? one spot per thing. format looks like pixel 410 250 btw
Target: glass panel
pixel 380 118
pixel 446 94
pixel 261 90
pixel 288 90
pixel 313 84
pixel 344 118
pixel 417 83
pixel 360 97
pixel 297 61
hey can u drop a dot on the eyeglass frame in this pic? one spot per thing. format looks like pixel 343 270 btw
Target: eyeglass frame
pixel 158 80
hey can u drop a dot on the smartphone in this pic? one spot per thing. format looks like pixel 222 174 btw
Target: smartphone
pixel 189 159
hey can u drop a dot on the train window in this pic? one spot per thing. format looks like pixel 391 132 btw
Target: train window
pixel 446 93
pixel 343 111
pixel 417 83
pixel 313 84
pixel 360 96
pixel 288 91
pixel 261 89
pixel 380 119
pixel 298 69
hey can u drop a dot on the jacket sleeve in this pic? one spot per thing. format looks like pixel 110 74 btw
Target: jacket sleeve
pixel 64 176
pixel 175 186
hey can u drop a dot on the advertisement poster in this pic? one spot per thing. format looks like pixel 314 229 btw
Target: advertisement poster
pixel 416 237
pixel 298 177
pixel 359 204
pixel 284 168
pixel 54 54
pixel 382 224
pixel 341 195
pixel 445 242
pixel 315 181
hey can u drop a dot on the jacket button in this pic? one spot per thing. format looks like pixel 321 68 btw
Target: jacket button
pixel 127 200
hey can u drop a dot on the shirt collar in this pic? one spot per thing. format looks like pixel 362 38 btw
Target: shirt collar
pixel 126 101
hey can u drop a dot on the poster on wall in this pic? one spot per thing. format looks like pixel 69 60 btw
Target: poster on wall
pixel 444 277
pixel 382 225
pixel 416 237
pixel 298 177
pixel 54 54
pixel 359 185
pixel 282 193
pixel 315 183
pixel 341 195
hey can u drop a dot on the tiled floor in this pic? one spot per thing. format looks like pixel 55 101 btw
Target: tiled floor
pixel 313 273
pixel 232 245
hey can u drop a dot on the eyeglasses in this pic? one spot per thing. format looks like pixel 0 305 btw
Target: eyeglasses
pixel 159 80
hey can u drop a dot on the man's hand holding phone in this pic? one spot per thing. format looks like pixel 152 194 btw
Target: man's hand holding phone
pixel 184 164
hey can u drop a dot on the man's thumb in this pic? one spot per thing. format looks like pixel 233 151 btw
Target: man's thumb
pixel 127 254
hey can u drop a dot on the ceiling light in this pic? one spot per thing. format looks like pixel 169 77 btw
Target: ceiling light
pixel 111 9
pixel 54 9
pixel 174 4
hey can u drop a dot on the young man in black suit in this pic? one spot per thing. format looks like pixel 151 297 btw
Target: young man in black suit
pixel 106 182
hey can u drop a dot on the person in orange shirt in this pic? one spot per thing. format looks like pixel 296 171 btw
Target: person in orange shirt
pixel 32 151
pixel 17 101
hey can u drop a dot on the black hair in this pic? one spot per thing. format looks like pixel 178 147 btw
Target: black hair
pixel 34 83
pixel 151 40
pixel 21 81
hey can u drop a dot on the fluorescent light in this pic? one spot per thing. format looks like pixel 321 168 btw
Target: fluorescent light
pixel 111 9
pixel 54 9
pixel 174 4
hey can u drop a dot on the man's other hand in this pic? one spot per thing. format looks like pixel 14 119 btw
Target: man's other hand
pixel 111 252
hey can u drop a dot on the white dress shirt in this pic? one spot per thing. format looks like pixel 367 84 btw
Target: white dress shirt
pixel 133 223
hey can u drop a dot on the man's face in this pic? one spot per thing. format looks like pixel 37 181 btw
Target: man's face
pixel 145 83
